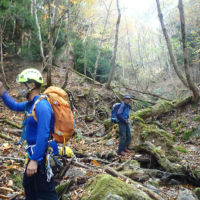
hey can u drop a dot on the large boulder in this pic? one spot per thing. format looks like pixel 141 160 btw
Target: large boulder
pixel 106 187
pixel 185 195
pixel 75 172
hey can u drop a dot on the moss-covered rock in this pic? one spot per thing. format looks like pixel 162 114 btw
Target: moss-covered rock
pixel 105 185
pixel 181 149
pixel 60 188
pixel 197 192
pixel 133 163
pixel 17 179
pixel 108 124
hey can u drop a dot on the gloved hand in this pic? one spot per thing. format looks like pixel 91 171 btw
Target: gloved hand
pixel 2 89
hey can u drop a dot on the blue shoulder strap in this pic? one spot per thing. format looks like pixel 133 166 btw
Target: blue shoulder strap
pixel 23 135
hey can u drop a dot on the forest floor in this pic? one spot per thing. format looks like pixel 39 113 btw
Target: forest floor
pixel 94 149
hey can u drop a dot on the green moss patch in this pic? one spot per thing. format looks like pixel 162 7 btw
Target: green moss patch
pixel 181 149
pixel 197 118
pixel 187 135
pixel 17 180
pixel 173 124
pixel 105 185
pixel 173 159
pixel 197 192
pixel 177 130
pixel 108 124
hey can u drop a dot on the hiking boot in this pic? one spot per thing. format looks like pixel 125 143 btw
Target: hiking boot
pixel 127 151
pixel 121 154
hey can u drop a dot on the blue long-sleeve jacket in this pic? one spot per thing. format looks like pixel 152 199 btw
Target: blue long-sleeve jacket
pixel 37 133
pixel 123 112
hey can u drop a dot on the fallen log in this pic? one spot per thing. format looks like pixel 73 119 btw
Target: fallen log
pixel 12 123
pixel 11 158
pixel 15 132
pixel 162 107
pixel 134 184
pixel 85 166
pixel 5 137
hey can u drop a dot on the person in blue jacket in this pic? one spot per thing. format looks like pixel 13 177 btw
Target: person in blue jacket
pixel 124 128
pixel 37 134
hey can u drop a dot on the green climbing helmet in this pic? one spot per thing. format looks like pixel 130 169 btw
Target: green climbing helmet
pixel 32 74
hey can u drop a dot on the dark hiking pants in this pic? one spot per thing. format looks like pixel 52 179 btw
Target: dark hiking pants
pixel 37 188
pixel 125 136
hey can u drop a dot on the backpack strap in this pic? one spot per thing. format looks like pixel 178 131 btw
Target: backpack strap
pixel 33 111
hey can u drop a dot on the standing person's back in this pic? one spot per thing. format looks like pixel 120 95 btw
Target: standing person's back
pixel 124 128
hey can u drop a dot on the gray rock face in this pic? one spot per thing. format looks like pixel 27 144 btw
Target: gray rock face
pixel 98 134
pixel 75 172
pixel 185 195
pixel 110 142
pixel 88 141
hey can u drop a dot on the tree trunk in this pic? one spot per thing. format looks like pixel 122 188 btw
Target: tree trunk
pixel 68 34
pixel 160 108
pixel 2 69
pixel 29 39
pixel 39 33
pixel 52 27
pixel 96 63
pixel 185 53
pixel 100 43
pixel 169 46
pixel 85 60
pixel 115 48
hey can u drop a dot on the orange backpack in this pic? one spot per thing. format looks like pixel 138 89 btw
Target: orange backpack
pixel 64 119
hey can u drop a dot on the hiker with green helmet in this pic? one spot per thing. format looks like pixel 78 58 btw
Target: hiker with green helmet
pixel 124 128
pixel 36 183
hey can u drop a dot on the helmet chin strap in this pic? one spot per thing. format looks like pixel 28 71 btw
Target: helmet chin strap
pixel 29 90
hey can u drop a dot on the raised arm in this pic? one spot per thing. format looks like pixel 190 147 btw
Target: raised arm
pixel 10 102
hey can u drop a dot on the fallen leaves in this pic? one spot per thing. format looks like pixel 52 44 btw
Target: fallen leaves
pixel 95 163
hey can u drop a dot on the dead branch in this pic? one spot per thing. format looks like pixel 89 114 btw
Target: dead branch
pixel 5 137
pixel 66 168
pixel 11 158
pixel 12 123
